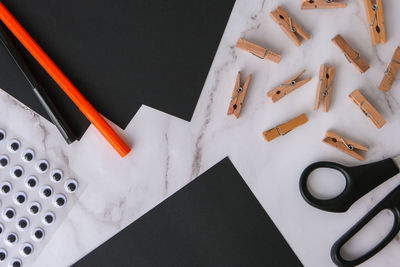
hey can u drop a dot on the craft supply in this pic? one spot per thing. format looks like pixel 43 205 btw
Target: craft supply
pixel 43 59
pixel 391 72
pixel 288 25
pixel 38 90
pixel 257 50
pixel 366 107
pixel 37 193
pixel 287 87
pixel 376 22
pixel 238 95
pixel 285 127
pixel 345 145
pixel 351 55
pixel 324 91
pixel 313 4
pixel 359 181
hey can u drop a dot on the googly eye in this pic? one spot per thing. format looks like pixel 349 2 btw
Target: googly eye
pixel 3 254
pixel 15 262
pixel 5 188
pixel 8 214
pixel 28 155
pixel 26 249
pixel 37 234
pixel 31 182
pixel 4 161
pixel 13 145
pixel 71 185
pixel 2 135
pixel 19 198
pixel 42 166
pixel 1 228
pixel 34 208
pixel 46 191
pixel 48 218
pixel 23 224
pixel 17 171
pixel 59 200
pixel 56 175
pixel 11 239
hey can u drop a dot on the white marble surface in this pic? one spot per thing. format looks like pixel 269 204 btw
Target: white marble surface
pixel 169 152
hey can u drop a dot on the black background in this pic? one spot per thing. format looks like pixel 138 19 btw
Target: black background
pixel 213 221
pixel 120 54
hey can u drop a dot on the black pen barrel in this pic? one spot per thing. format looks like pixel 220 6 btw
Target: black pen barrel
pixel 40 93
pixel 54 114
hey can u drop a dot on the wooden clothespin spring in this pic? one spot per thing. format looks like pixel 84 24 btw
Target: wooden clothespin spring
pixel 290 27
pixel 345 145
pixel 351 55
pixel 238 96
pixel 391 72
pixel 257 50
pixel 376 22
pixel 366 107
pixel 324 91
pixel 287 87
pixel 312 4
pixel 285 127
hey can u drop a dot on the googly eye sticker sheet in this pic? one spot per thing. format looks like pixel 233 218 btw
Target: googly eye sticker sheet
pixel 36 194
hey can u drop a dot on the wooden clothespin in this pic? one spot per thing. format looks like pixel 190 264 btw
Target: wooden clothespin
pixel 285 127
pixel 312 4
pixel 324 91
pixel 375 19
pixel 351 55
pixel 287 87
pixel 391 72
pixel 367 109
pixel 257 50
pixel 345 145
pixel 238 95
pixel 290 27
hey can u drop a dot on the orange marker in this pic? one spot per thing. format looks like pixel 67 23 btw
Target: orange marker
pixel 66 85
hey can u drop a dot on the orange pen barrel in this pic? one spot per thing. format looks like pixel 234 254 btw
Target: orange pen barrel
pixel 66 85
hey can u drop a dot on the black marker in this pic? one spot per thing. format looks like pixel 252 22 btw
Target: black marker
pixel 40 93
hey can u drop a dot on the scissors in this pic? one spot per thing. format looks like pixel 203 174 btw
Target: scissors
pixel 359 181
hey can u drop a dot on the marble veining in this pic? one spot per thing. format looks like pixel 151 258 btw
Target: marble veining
pixel 169 152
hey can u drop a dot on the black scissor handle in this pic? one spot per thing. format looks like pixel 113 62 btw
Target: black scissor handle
pixel 359 181
pixel 390 202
